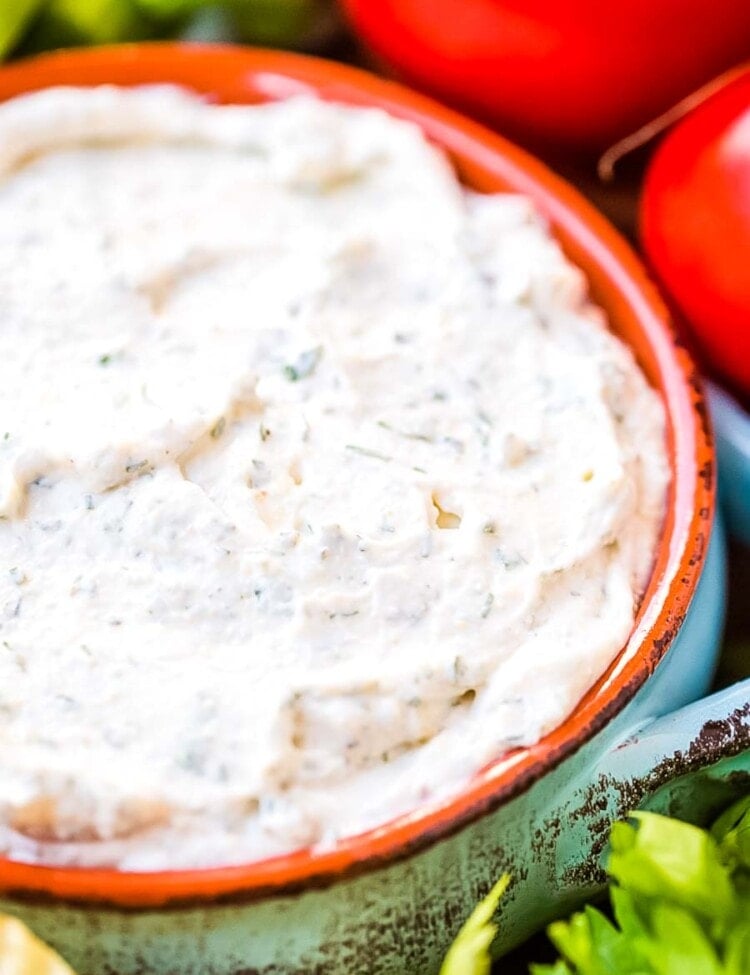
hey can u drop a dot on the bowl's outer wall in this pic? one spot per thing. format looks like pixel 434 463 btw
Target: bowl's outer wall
pixel 399 920
pixel 732 425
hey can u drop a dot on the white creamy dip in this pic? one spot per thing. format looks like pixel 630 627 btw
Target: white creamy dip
pixel 321 481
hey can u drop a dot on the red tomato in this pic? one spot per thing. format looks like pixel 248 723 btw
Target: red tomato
pixel 695 226
pixel 577 73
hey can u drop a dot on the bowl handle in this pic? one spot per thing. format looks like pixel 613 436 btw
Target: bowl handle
pixel 688 763
pixel 691 764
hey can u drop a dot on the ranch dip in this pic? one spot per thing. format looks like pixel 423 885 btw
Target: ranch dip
pixel 322 483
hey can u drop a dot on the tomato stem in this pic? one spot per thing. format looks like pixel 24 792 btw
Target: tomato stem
pixel 607 162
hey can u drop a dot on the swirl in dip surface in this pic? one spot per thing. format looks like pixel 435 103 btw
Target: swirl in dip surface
pixel 322 483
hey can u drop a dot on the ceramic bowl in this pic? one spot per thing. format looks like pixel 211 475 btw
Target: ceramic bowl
pixel 389 901
pixel 732 426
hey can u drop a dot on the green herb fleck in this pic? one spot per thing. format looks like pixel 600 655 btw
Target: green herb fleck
pixel 404 433
pixel 218 428
pixel 509 561
pixel 484 423
pixel 366 452
pixel 304 366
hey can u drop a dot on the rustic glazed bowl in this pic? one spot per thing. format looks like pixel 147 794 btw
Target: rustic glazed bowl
pixel 732 425
pixel 391 900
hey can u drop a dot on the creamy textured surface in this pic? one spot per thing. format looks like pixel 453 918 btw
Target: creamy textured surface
pixel 321 482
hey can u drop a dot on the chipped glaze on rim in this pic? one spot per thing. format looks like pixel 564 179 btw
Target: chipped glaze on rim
pixel 618 282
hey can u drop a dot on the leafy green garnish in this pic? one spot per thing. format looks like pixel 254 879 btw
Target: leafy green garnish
pixel 15 17
pixel 679 905
pixel 70 22
pixel 679 902
pixel 33 25
pixel 732 832
pixel 22 953
pixel 672 861
pixel 470 952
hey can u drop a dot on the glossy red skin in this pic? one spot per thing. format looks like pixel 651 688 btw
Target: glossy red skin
pixel 695 227
pixel 574 73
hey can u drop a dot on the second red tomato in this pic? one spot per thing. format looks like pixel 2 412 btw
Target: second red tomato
pixel 695 227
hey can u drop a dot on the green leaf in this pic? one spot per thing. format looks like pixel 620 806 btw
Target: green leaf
pixel 679 945
pixel 22 953
pixel 15 17
pixel 169 9
pixel 574 940
pixel 626 913
pixel 71 22
pixel 737 951
pixel 677 898
pixel 592 945
pixel 559 968
pixel 666 859
pixel 732 833
pixel 680 899
pixel 283 23
pixel 470 952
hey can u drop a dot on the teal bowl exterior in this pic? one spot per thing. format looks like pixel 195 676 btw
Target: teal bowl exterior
pixel 732 429
pixel 659 752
